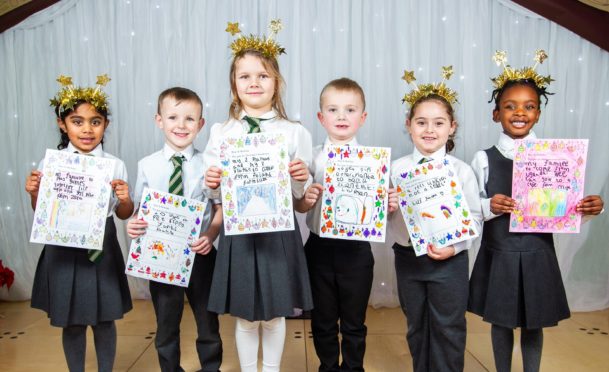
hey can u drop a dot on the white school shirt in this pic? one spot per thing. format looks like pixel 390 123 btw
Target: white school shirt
pixel 154 171
pixel 466 177
pixel 317 169
pixel 298 140
pixel 505 145
pixel 480 168
pixel 120 171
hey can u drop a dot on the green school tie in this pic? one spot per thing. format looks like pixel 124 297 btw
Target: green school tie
pixel 254 123
pixel 424 160
pixel 175 181
pixel 94 255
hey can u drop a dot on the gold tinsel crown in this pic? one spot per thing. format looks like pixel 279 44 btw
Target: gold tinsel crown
pixel 69 94
pixel 525 73
pixel 424 90
pixel 264 44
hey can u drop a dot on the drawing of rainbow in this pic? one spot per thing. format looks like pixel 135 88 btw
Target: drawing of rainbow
pixel 447 212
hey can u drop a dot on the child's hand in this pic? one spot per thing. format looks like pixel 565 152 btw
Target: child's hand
pixel 136 227
pixel 502 204
pixel 393 200
pixel 312 194
pixel 121 190
pixel 213 177
pixel 440 254
pixel 298 170
pixel 32 183
pixel 203 245
pixel 591 204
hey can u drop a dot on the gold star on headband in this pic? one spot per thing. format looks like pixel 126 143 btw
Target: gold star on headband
pixel 500 57
pixel 263 44
pixel 408 76
pixel 447 72
pixel 103 80
pixel 525 73
pixel 275 26
pixel 64 80
pixel 424 90
pixel 233 28
pixel 69 95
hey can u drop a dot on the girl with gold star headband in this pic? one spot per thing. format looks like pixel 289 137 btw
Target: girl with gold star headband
pixel 259 278
pixel 516 280
pixel 433 288
pixel 75 287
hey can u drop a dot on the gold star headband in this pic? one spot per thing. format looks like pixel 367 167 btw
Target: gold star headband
pixel 424 90
pixel 264 44
pixel 69 94
pixel 525 73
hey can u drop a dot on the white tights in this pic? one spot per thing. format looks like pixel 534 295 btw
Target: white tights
pixel 247 339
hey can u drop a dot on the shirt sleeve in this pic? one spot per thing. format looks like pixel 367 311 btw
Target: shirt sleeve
pixel 211 157
pixel 303 151
pixel 469 184
pixel 140 184
pixel 480 167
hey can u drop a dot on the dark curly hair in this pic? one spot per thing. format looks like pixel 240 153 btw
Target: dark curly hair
pixel 541 92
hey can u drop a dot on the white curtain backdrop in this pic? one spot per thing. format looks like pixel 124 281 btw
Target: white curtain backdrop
pixel 146 46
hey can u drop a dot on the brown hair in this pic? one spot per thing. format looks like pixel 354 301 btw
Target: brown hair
pixel 344 84
pixel 450 144
pixel 272 67
pixel 179 94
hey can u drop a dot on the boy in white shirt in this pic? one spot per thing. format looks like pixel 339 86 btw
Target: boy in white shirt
pixel 179 116
pixel 340 270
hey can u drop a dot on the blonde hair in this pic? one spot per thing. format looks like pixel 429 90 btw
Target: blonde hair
pixel 272 67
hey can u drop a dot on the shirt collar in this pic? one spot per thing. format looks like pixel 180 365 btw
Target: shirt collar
pixel 506 143
pixel 352 142
pixel 417 156
pixel 268 115
pixel 168 152
pixel 97 151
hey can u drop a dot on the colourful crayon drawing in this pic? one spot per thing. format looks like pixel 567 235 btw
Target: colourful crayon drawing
pixel 354 201
pixel 256 200
pixel 73 200
pixel 353 210
pixel 547 203
pixel 71 216
pixel 433 206
pixel 163 253
pixel 547 183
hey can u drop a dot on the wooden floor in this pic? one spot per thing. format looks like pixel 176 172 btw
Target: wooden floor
pixel 29 343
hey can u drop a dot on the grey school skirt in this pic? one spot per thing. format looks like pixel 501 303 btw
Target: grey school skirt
pixel 75 291
pixel 260 276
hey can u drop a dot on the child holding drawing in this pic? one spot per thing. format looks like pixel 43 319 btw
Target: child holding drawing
pixel 75 287
pixel 433 288
pixel 516 281
pixel 259 278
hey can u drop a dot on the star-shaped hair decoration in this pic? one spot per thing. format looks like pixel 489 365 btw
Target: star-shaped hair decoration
pixel 408 76
pixel 500 57
pixel 424 90
pixel 275 26
pixel 103 79
pixel 540 56
pixel 64 80
pixel 267 46
pixel 233 28
pixel 447 72
pixel 524 73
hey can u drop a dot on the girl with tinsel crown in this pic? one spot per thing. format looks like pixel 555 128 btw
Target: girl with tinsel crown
pixel 259 278
pixel 516 281
pixel 79 288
